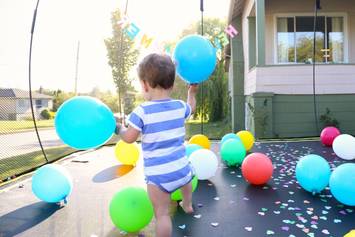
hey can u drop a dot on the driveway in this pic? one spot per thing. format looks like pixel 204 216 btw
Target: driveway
pixel 20 143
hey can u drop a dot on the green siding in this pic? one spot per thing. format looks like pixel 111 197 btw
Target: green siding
pixel 293 115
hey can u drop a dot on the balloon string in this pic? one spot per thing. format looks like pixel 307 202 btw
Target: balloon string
pixel 202 94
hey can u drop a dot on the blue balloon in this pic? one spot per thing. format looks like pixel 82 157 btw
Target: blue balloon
pixel 52 183
pixel 195 57
pixel 84 122
pixel 342 184
pixel 312 173
pixel 229 136
pixel 190 148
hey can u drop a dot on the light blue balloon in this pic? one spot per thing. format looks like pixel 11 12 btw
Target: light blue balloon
pixel 84 122
pixel 229 136
pixel 52 183
pixel 190 148
pixel 342 184
pixel 195 57
pixel 312 173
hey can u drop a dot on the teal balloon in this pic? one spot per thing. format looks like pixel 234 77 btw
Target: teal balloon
pixel 313 173
pixel 190 148
pixel 229 136
pixel 233 152
pixel 84 122
pixel 195 58
pixel 342 184
pixel 52 183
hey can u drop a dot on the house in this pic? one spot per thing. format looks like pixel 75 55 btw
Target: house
pixel 271 71
pixel 15 104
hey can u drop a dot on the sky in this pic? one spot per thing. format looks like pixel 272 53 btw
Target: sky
pixel 62 23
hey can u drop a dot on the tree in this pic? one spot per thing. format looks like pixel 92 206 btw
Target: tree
pixel 59 97
pixel 121 56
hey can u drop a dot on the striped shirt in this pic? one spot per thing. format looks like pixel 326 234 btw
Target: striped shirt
pixel 162 125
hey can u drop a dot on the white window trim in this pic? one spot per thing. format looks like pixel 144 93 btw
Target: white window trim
pixel 330 14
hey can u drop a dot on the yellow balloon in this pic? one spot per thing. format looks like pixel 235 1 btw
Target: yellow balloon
pixel 350 234
pixel 127 153
pixel 200 140
pixel 247 139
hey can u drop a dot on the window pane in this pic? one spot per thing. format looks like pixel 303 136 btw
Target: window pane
pixel 285 40
pixel 304 38
pixel 335 29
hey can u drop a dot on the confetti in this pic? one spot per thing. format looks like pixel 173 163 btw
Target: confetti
pixel 325 231
pixel 182 227
pixel 336 221
pixel 270 232
pixel 214 224
pixel 285 228
pixel 216 198
pixel 248 228
pixel 197 216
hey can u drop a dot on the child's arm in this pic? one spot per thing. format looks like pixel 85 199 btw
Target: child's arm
pixel 191 97
pixel 129 134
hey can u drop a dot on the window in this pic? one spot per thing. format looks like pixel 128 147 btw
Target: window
pixel 295 39
pixel 21 103
pixel 38 104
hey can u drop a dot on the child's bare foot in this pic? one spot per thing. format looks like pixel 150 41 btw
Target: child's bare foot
pixel 187 208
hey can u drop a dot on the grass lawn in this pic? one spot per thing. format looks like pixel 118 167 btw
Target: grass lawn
pixel 12 126
pixel 215 130
pixel 16 165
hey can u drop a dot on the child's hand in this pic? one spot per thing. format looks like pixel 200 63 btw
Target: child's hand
pixel 193 89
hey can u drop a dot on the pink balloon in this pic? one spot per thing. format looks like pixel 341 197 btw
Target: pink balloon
pixel 328 135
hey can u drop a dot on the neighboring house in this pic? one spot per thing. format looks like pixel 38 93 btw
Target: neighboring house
pixel 15 104
pixel 270 68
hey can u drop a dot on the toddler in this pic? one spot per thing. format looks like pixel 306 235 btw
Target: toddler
pixel 160 120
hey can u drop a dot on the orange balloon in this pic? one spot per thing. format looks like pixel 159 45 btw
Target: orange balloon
pixel 257 168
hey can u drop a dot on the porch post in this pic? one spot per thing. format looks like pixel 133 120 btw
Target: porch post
pixel 237 78
pixel 260 32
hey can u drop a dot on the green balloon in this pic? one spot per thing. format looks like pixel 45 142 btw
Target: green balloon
pixel 233 152
pixel 177 195
pixel 131 209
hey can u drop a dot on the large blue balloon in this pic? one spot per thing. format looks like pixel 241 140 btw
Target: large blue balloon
pixel 312 173
pixel 190 148
pixel 84 122
pixel 195 57
pixel 342 184
pixel 229 136
pixel 52 183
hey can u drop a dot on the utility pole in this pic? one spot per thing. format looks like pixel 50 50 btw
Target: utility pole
pixel 76 69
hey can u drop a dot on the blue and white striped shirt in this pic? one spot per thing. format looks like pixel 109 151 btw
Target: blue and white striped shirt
pixel 162 124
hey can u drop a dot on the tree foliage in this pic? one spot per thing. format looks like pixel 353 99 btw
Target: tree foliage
pixel 122 56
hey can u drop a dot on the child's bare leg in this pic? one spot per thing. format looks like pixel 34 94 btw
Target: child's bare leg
pixel 186 204
pixel 161 202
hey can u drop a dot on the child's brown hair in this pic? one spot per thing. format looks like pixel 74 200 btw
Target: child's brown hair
pixel 157 70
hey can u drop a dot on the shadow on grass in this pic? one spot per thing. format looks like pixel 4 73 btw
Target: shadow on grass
pixel 111 173
pixel 25 218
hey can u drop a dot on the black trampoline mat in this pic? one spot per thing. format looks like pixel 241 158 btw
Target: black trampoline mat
pixel 226 205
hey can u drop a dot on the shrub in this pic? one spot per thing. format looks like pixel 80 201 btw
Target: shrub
pixel 45 114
